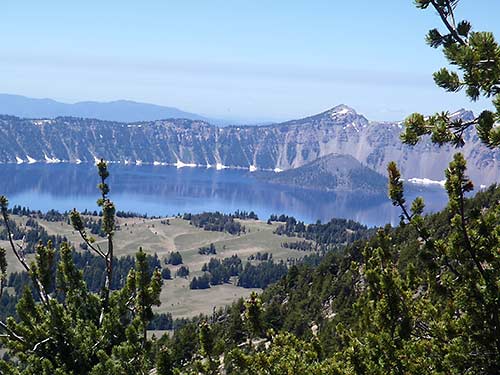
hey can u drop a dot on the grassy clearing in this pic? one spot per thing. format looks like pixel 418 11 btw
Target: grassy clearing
pixel 155 236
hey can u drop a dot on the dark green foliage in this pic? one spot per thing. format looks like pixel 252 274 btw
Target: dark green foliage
pixel 175 258
pixel 215 221
pixel 476 56
pixel 253 312
pixel 32 235
pixel 202 282
pixel 166 274
pixel 232 265
pixel 164 363
pixel 326 236
pixel 261 256
pixel 65 328
pixel 93 271
pixel 50 215
pixel 298 245
pixel 183 271
pixel 161 322
pixel 387 305
pixel 244 215
pixel 261 275
pixel 219 273
pixel 285 355
pixel 207 250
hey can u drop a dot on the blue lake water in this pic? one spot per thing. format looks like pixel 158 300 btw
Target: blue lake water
pixel 164 190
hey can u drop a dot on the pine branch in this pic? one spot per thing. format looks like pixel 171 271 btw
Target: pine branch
pixel 489 283
pixel 449 25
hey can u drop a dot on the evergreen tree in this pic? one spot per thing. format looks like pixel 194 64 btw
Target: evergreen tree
pixel 253 311
pixel 70 330
pixel 476 55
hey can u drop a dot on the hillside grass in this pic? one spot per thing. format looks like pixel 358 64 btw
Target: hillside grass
pixel 157 237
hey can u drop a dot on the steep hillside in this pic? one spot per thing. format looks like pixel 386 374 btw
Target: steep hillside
pixel 382 303
pixel 280 146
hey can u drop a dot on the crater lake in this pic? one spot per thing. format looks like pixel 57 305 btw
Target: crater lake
pixel 168 191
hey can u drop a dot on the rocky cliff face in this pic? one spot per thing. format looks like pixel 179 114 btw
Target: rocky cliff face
pixel 280 146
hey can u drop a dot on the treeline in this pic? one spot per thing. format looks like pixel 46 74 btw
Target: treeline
pixel 245 215
pixel 54 215
pixel 31 235
pixel 122 214
pixel 51 215
pixel 262 274
pixel 361 303
pixel 93 268
pixel 261 256
pixel 328 235
pixel 217 272
pixel 216 222
pixel 299 245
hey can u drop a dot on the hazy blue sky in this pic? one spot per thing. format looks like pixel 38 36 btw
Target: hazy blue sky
pixel 252 59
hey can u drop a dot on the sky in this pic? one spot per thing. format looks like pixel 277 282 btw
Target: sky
pixel 245 60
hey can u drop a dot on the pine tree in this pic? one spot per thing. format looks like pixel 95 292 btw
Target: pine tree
pixel 476 55
pixel 66 329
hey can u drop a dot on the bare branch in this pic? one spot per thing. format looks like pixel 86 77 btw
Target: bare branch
pixel 40 343
pixel 11 333
pixel 96 248
pixel 44 297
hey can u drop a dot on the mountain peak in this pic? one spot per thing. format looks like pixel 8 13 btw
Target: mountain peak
pixel 462 114
pixel 341 110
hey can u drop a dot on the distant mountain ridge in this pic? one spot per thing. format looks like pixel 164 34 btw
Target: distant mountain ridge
pixel 283 146
pixel 119 110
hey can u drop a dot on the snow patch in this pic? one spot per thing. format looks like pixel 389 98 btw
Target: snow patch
pixel 180 164
pixel 426 181
pixel 51 160
pixel 342 112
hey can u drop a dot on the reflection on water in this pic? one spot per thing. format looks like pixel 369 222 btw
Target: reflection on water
pixel 161 190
